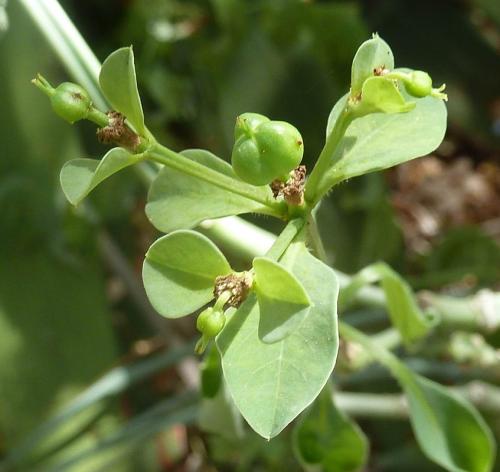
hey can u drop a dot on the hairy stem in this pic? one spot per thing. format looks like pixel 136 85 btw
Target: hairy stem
pixel 325 159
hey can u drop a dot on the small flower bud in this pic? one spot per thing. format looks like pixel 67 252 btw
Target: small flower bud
pixel 419 84
pixel 210 322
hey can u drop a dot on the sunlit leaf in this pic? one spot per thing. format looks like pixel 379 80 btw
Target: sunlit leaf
pixel 379 140
pixel 80 176
pixel 272 383
pixel 372 55
pixel 283 301
pixel 179 272
pixel 119 85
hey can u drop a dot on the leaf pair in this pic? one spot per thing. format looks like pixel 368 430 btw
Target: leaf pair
pixel 271 383
pixel 179 274
pixel 119 85
pixel 384 136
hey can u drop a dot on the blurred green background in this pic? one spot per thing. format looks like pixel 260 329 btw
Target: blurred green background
pixel 71 305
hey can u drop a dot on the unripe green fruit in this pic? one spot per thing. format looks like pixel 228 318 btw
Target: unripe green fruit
pixel 419 84
pixel 71 102
pixel 265 150
pixel 247 123
pixel 210 322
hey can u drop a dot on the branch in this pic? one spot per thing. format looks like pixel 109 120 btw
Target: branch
pixel 484 396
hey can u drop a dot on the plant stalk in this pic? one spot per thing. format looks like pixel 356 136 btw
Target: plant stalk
pixel 169 158
pixel 325 160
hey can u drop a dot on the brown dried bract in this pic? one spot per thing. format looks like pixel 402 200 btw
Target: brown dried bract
pixel 117 132
pixel 293 190
pixel 237 284
pixel 381 70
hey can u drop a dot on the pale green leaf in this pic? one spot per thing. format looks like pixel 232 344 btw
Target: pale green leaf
pixel 80 176
pixel 179 272
pixel 327 438
pixel 272 383
pixel 402 306
pixel 378 141
pixel 119 85
pixel 381 95
pixel 177 200
pixel 371 55
pixel 283 301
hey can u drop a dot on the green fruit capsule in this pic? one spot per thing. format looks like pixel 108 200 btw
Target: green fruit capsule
pixel 210 322
pixel 265 150
pixel 419 84
pixel 71 102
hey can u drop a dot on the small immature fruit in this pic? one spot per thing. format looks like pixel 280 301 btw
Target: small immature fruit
pixel 265 150
pixel 419 84
pixel 210 322
pixel 71 102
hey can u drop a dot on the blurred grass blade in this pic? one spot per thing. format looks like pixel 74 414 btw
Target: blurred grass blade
pixel 116 381
pixel 181 409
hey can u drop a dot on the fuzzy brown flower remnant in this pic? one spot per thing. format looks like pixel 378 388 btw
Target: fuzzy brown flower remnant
pixel 293 189
pixel 117 132
pixel 238 284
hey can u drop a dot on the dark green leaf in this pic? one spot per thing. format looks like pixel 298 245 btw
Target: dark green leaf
pixel 326 437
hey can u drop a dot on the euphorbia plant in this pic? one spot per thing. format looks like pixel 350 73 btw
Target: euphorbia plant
pixel 275 324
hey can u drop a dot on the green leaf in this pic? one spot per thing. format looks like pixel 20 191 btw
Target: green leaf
pixel 448 429
pixel 383 96
pixel 402 306
pixel 379 140
pixel 372 54
pixel 283 301
pixel 272 383
pixel 328 438
pixel 179 272
pixel 177 200
pixel 80 176
pixel 119 85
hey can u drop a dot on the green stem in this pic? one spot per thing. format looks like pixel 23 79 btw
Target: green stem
pixel 291 231
pixel 315 238
pixel 169 158
pixel 373 348
pixel 325 159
